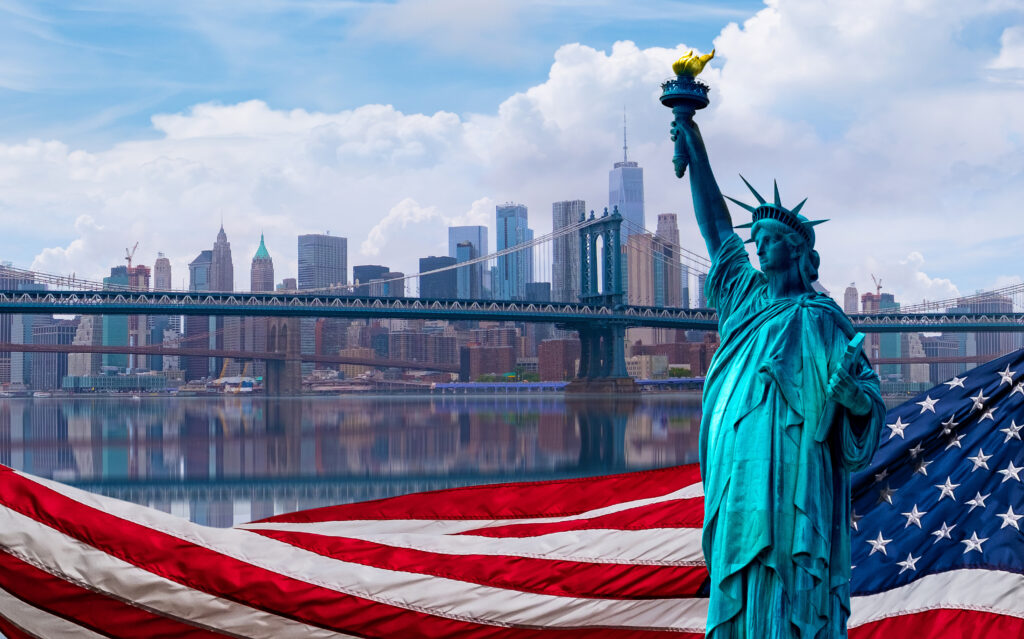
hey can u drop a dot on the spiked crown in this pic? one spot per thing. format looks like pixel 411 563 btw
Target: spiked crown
pixel 775 211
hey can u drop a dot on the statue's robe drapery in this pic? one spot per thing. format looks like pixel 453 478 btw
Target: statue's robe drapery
pixel 777 490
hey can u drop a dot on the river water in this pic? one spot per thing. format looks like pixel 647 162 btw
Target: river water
pixel 221 461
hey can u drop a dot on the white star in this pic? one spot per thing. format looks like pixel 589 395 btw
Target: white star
pixel 916 450
pixel 886 494
pixel 854 518
pixel 878 545
pixel 943 533
pixel 977 502
pixel 914 517
pixel 1010 471
pixel 955 441
pixel 882 475
pixel 1007 376
pixel 1012 431
pixel 927 404
pixel 909 564
pixel 988 414
pixel 949 425
pixel 973 543
pixel 979 400
pixel 1017 388
pixel 922 467
pixel 1009 518
pixel 947 489
pixel 980 460
pixel 897 428
pixel 956 381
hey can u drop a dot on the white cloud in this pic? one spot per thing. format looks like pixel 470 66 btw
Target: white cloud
pixel 1011 51
pixel 406 212
pixel 880 113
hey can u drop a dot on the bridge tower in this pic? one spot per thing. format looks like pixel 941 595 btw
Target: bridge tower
pixel 602 342
pixel 284 377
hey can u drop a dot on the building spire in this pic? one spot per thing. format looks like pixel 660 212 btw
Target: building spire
pixel 625 147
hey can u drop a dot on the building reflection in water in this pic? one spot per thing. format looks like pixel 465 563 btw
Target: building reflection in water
pixel 225 460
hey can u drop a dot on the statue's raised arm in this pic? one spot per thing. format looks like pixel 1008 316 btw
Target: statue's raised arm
pixel 708 204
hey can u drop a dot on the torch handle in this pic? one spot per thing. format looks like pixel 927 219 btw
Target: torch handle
pixel 681 158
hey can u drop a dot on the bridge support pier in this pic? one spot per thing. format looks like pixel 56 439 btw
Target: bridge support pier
pixel 284 377
pixel 602 360
pixel 602 343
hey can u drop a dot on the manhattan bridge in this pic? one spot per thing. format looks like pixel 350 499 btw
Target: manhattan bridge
pixel 600 316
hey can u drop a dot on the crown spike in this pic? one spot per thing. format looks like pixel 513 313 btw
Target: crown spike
pixel 746 206
pixel 760 200
pixel 778 200
pixel 815 222
pixel 796 209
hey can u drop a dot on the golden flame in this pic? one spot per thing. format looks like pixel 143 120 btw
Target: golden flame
pixel 690 64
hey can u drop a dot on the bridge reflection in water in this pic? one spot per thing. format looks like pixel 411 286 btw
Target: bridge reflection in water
pixel 220 461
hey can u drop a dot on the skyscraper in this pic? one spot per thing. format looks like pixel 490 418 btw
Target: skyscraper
pixel 468 279
pixel 261 273
pixel 851 299
pixel 475 278
pixel 222 271
pixel 197 326
pixel 323 264
pixel 443 285
pixel 565 260
pixel 626 190
pixel 261 280
pixel 363 274
pixel 161 273
pixel 323 261
pixel 22 332
pixel 9 280
pixel 515 270
pixel 668 267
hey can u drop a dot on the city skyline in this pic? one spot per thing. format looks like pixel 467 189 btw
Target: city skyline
pixel 104 167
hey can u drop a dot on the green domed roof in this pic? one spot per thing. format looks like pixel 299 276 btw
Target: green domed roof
pixel 261 252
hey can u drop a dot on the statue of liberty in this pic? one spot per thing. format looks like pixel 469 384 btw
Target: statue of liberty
pixel 791 408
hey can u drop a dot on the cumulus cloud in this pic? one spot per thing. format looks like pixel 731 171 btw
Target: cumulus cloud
pixel 915 162
pixel 1011 50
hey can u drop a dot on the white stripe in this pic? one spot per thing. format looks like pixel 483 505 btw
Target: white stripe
pixel 349 528
pixel 994 591
pixel 440 596
pixel 39 622
pixel 651 547
pixel 83 565
pixel 654 546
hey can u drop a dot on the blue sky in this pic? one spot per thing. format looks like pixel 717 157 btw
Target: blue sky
pixel 385 122
pixel 93 72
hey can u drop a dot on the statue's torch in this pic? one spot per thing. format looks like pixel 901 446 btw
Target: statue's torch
pixel 684 94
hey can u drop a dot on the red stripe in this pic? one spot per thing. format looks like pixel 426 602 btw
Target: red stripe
pixel 11 631
pixel 945 623
pixel 543 576
pixel 511 501
pixel 211 572
pixel 678 513
pixel 92 610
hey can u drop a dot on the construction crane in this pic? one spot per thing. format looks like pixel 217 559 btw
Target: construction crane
pixel 129 255
pixel 878 284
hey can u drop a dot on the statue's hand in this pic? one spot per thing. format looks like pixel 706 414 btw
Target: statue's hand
pixel 687 128
pixel 843 388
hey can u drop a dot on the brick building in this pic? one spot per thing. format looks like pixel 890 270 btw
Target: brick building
pixel 557 359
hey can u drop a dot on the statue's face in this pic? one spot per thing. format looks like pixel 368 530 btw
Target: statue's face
pixel 773 251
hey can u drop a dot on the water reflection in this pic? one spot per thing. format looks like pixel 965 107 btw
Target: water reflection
pixel 221 461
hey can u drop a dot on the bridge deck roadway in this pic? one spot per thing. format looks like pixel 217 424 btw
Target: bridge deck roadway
pixel 311 305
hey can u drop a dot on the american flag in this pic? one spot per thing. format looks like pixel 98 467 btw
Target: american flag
pixel 937 548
